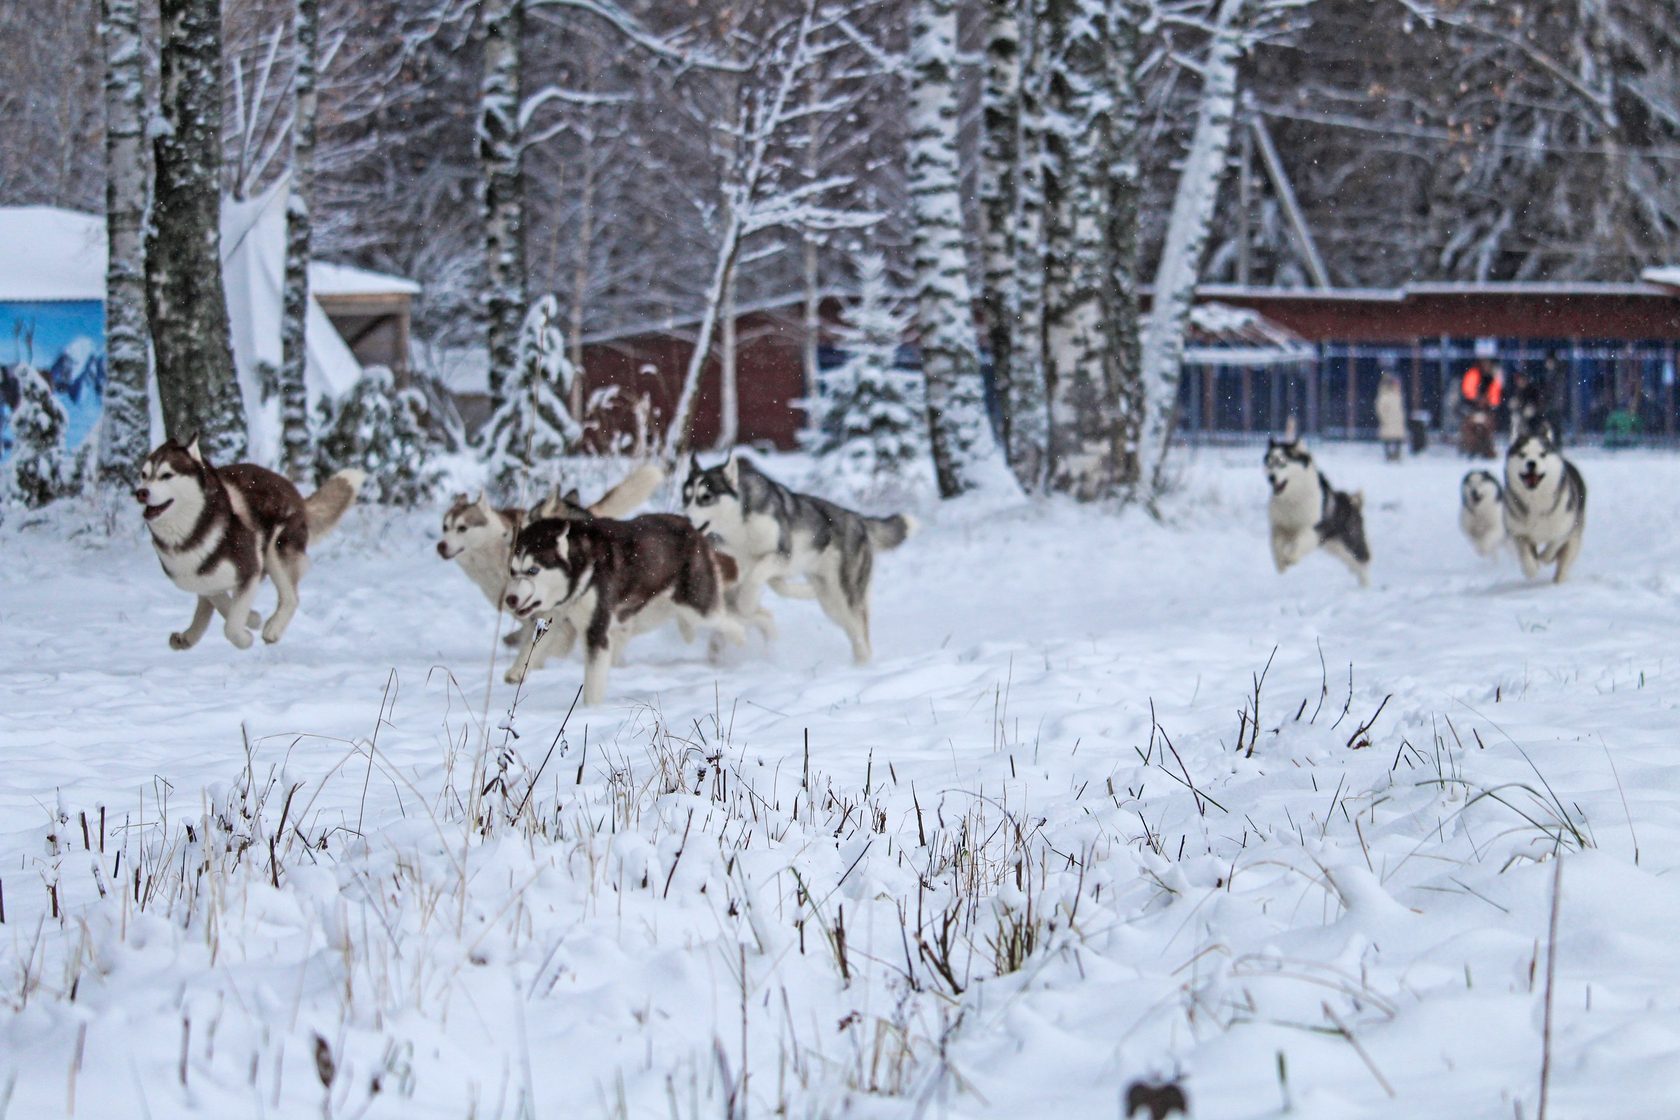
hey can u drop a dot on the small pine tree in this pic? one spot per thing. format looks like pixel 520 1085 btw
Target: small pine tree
pixel 533 425
pixel 382 430
pixel 869 418
pixel 41 468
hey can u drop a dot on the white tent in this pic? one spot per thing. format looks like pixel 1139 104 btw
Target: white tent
pixel 254 273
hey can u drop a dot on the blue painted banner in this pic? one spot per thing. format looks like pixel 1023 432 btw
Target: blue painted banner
pixel 65 342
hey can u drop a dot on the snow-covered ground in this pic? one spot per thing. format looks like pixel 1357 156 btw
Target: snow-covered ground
pixel 1039 850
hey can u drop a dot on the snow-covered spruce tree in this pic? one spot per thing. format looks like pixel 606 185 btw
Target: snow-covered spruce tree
pixel 294 311
pixel 41 471
pixel 533 425
pixel 382 430
pixel 958 430
pixel 1180 264
pixel 125 420
pixel 185 302
pixel 871 429
pixel 501 168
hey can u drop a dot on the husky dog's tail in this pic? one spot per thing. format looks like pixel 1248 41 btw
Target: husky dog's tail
pixel 890 532
pixel 323 509
pixel 628 495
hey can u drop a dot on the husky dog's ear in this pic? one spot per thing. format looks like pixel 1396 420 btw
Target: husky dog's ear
pixel 732 469
pixel 481 501
pixel 458 500
pixel 694 468
pixel 1358 500
pixel 571 497
pixel 191 448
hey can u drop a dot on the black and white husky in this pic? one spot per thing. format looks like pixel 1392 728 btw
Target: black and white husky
pixel 1545 502
pixel 1306 512
pixel 607 577
pixel 777 536
pixel 219 530
pixel 1481 512
pixel 478 536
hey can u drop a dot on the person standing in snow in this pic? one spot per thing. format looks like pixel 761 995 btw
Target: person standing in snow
pixel 1391 416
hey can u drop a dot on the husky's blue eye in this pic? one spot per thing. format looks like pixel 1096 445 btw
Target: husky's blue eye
pixel 531 571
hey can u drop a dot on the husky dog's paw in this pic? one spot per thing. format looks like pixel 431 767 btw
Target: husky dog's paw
pixel 272 630
pixel 178 640
pixel 240 637
pixel 254 620
pixel 514 675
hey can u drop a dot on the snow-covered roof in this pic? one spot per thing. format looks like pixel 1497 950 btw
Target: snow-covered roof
pixel 1651 286
pixel 1237 336
pixel 1668 276
pixel 48 254
pixel 328 279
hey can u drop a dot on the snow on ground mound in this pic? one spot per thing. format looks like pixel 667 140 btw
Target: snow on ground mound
pixel 1116 802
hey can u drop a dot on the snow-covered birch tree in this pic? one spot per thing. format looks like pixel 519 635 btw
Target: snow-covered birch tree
pixel 501 160
pixel 1023 398
pixel 1123 141
pixel 1179 266
pixel 40 470
pixel 125 423
pixel 294 312
pixel 958 430
pixel 1085 443
pixel 1000 160
pixel 186 304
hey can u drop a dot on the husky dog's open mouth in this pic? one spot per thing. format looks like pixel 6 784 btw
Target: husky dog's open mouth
pixel 152 512
pixel 1278 484
pixel 1531 477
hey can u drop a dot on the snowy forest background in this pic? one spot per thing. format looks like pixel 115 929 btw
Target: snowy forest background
pixel 649 161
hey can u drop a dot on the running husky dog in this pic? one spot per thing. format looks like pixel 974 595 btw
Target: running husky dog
pixel 774 534
pixel 1306 512
pixel 1545 502
pixel 1481 512
pixel 479 537
pixel 606 577
pixel 219 530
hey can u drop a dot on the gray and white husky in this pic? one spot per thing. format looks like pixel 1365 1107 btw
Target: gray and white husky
pixel 479 536
pixel 219 530
pixel 1545 502
pixel 1481 512
pixel 777 535
pixel 1306 512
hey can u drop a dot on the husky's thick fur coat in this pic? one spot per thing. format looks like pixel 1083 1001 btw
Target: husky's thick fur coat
pixel 1306 512
pixel 219 530
pixel 606 577
pixel 479 537
pixel 1545 502
pixel 1481 512
pixel 777 535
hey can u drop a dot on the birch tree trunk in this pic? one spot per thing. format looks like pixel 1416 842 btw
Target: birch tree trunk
pixel 1123 365
pixel 729 396
pixel 125 426
pixel 501 162
pixel 957 426
pixel 999 158
pixel 1076 334
pixel 186 303
pixel 1186 239
pixel 1029 418
pixel 582 250
pixel 295 452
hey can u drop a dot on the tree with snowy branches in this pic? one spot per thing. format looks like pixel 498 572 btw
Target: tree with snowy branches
pixel 380 429
pixel 40 465
pixel 533 425
pixel 868 429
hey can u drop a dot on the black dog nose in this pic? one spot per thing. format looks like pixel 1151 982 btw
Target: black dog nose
pixel 512 601
pixel 142 496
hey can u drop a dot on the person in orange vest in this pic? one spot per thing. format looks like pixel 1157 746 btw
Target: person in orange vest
pixel 1483 388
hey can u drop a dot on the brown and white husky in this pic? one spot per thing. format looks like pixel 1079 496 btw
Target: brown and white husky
pixel 219 530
